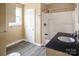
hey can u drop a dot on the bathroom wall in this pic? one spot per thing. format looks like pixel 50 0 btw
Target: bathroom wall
pixel 14 33
pixel 59 17
pixel 2 30
pixel 2 17
pixel 61 22
pixel 77 17
pixel 60 7
pixel 44 8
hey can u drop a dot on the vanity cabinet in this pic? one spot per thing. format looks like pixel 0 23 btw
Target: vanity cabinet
pixel 52 52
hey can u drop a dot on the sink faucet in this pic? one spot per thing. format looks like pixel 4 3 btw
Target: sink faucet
pixel 75 34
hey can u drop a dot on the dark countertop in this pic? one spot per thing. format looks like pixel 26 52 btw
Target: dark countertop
pixel 69 48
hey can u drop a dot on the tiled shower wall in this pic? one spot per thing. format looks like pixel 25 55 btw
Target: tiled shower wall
pixel 57 22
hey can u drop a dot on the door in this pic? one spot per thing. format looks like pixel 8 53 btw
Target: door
pixel 30 25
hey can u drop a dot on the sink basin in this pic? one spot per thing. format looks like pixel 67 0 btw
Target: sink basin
pixel 66 39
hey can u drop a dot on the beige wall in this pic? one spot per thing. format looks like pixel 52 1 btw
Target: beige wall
pixel 2 17
pixel 2 30
pixel 58 7
pixel 8 34
pixel 44 7
pixel 15 32
pixel 37 6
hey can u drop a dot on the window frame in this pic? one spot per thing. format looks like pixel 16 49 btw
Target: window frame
pixel 17 23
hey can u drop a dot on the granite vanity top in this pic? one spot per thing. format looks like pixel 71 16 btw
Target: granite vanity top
pixel 69 48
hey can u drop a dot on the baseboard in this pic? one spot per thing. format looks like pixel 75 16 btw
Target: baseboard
pixel 14 43
pixel 37 44
pixel 34 43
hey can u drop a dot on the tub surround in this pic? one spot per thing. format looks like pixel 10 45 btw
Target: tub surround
pixel 68 48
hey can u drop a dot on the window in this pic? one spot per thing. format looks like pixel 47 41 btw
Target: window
pixel 18 17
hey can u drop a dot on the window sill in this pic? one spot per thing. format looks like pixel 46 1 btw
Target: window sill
pixel 14 24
